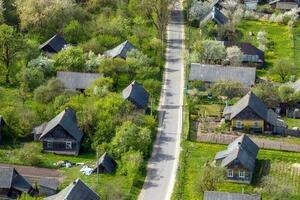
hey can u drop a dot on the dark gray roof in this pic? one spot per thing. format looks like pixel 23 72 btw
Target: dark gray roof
pixel 107 162
pixel 66 119
pixel 77 80
pixel 214 73
pixel 252 101
pixel 10 178
pixel 218 16
pixel 120 50
pixel 136 93
pixel 213 195
pixel 77 190
pixel 50 183
pixel 242 149
pixel 54 44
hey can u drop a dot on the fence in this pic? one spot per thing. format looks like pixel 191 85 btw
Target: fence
pixel 262 143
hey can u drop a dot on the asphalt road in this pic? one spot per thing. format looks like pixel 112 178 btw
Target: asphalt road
pixel 162 166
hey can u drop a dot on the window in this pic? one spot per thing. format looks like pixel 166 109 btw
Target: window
pixel 68 145
pixel 255 125
pixel 229 173
pixel 239 124
pixel 242 174
pixel 49 145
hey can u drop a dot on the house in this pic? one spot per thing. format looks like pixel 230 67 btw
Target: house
pixel 120 51
pixel 285 5
pixel 105 164
pixel 250 113
pixel 136 94
pixel 239 159
pixel 2 124
pixel 216 15
pixel 12 184
pixel 48 186
pixel 214 73
pixel 77 190
pixel 251 54
pixel 251 4
pixel 213 195
pixel 77 80
pixel 53 45
pixel 61 135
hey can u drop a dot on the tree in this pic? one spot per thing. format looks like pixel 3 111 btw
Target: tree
pixel 10 45
pixel 131 163
pixel 213 51
pixel 46 93
pixel 288 94
pixel 100 87
pixel 74 32
pixel 30 78
pixel 267 92
pixel 283 68
pixel 227 88
pixel 199 9
pixel 279 190
pixel 43 63
pixel 262 40
pixel 234 55
pixel 92 61
pixel 1 11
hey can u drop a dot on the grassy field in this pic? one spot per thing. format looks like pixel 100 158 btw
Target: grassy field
pixel 197 154
pixel 292 122
pixel 297 45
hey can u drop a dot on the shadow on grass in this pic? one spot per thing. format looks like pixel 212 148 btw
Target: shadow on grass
pixel 262 168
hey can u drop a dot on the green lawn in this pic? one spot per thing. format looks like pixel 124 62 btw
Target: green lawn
pixel 292 122
pixel 197 154
pixel 297 45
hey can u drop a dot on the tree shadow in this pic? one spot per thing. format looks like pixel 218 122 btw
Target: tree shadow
pixel 262 168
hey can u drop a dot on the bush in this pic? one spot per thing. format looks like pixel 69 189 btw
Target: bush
pixel 227 88
pixel 29 154
pixel 131 163
pixel 74 32
pixel 31 78
pixel 46 93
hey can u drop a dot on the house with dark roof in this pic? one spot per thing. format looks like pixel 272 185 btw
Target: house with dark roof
pixel 120 51
pixel 77 190
pixel 251 54
pixel 213 195
pixel 216 15
pixel 76 80
pixel 251 114
pixel 137 95
pixel 61 135
pixel 2 124
pixel 214 73
pixel 251 4
pixel 239 159
pixel 48 186
pixel 12 184
pixel 53 45
pixel 105 164
pixel 284 5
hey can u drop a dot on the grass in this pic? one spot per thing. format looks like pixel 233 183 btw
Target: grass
pixel 297 44
pixel 197 154
pixel 292 122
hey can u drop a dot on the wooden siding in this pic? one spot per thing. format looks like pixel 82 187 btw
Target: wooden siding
pixel 236 167
pixel 248 125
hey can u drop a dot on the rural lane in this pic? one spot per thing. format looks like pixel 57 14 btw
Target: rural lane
pixel 163 164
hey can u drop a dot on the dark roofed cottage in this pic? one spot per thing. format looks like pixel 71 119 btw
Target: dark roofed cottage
pixel 239 159
pixel 12 184
pixel 120 51
pixel 216 15
pixel 77 190
pixel 105 164
pixel 54 44
pixel 213 195
pixel 136 94
pixel 61 135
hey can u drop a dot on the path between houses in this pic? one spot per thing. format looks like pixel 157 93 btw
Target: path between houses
pixel 163 164
pixel 262 143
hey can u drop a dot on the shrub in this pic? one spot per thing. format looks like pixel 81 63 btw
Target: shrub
pixel 227 88
pixel 29 154
pixel 46 93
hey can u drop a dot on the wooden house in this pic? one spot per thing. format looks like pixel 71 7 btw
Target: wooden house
pixel 61 135
pixel 105 164
pixel 53 45
pixel 120 51
pixel 137 95
pixel 2 124
pixel 12 184
pixel 239 159
pixel 251 114
pixel 77 190
pixel 214 195
pixel 48 186
pixel 216 15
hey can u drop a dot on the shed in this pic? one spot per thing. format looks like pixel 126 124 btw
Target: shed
pixel 54 44
pixel 105 164
pixel 214 73
pixel 213 195
pixel 77 190
pixel 48 186
pixel 120 51
pixel 137 94
pixel 77 80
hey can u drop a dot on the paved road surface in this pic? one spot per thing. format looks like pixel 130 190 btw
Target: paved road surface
pixel 162 167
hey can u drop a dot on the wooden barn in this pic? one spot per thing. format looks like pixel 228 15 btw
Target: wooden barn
pixel 137 95
pixel 53 45
pixel 120 51
pixel 105 164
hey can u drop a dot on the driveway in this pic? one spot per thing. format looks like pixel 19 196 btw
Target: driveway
pixel 162 166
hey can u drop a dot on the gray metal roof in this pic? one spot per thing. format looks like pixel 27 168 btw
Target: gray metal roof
pixel 218 16
pixel 50 183
pixel 56 43
pixel 77 190
pixel 107 162
pixel 252 101
pixel 66 119
pixel 213 195
pixel 120 50
pixel 10 178
pixel 215 73
pixel 77 80
pixel 136 93
pixel 242 149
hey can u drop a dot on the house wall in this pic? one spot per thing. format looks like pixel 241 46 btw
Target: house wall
pixel 44 191
pixel 236 167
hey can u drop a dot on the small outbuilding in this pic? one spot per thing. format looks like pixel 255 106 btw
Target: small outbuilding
pixel 48 186
pixel 136 94
pixel 2 124
pixel 285 5
pixel 120 51
pixel 77 190
pixel 105 164
pixel 213 195
pixel 216 15
pixel 53 45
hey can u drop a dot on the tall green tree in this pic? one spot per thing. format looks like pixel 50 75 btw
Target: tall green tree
pixel 283 68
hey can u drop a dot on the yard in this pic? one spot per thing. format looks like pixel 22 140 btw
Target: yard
pixel 284 166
